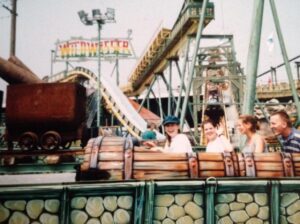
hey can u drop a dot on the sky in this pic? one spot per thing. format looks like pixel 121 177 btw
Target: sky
pixel 41 23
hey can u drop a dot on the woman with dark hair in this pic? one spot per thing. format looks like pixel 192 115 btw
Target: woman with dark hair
pixel 215 141
pixel 247 125
pixel 176 142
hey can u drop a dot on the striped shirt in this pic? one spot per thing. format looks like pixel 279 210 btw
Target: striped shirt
pixel 292 142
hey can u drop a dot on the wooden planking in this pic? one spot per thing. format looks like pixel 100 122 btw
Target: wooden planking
pixel 263 166
pixel 143 163
pixel 113 140
pixel 296 157
pixel 153 165
pixel 269 174
pixel 88 149
pixel 297 165
pixel 268 157
pixel 111 156
pixel 87 157
pixel 111 148
pixel 211 165
pixel 158 156
pixel 210 156
pixel 110 165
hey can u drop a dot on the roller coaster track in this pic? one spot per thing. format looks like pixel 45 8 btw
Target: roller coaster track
pixel 166 44
pixel 115 101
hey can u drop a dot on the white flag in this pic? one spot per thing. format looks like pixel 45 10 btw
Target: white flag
pixel 270 42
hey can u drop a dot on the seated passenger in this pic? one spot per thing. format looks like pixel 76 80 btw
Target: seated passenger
pixel 176 142
pixel 149 134
pixel 281 125
pixel 247 125
pixel 215 142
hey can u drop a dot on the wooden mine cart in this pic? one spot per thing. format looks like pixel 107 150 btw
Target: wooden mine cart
pixel 47 115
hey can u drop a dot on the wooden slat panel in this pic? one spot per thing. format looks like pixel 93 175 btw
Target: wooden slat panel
pixel 87 157
pixel 272 157
pixel 297 173
pixel 153 174
pixel 296 157
pixel 296 165
pixel 205 165
pixel 111 156
pixel 110 165
pixel 269 174
pixel 111 148
pixel 113 143
pixel 113 140
pixel 153 165
pixel 269 166
pixel 158 156
pixel 88 150
pixel 210 156
pixel 210 173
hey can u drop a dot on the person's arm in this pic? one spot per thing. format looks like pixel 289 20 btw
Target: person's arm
pixel 227 145
pixel 259 144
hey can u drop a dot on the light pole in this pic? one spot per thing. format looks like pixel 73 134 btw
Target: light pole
pixel 99 19
pixel 52 59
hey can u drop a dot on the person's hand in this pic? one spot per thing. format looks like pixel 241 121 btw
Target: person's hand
pixel 149 144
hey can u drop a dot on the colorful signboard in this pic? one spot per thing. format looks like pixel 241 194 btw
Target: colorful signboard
pixel 82 49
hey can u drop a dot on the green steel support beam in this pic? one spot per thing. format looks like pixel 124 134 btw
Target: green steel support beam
pixel 139 203
pixel 170 87
pixel 275 202
pixel 147 94
pixel 64 209
pixel 193 63
pixel 161 112
pixel 210 191
pixel 182 86
pixel 253 57
pixel 285 58
pixel 149 205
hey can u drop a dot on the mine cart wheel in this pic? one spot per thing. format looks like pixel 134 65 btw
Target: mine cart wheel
pixel 28 141
pixel 50 140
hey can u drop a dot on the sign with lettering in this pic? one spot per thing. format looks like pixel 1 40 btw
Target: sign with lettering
pixel 82 49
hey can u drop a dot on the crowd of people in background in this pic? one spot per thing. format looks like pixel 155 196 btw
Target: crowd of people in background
pixel 247 126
